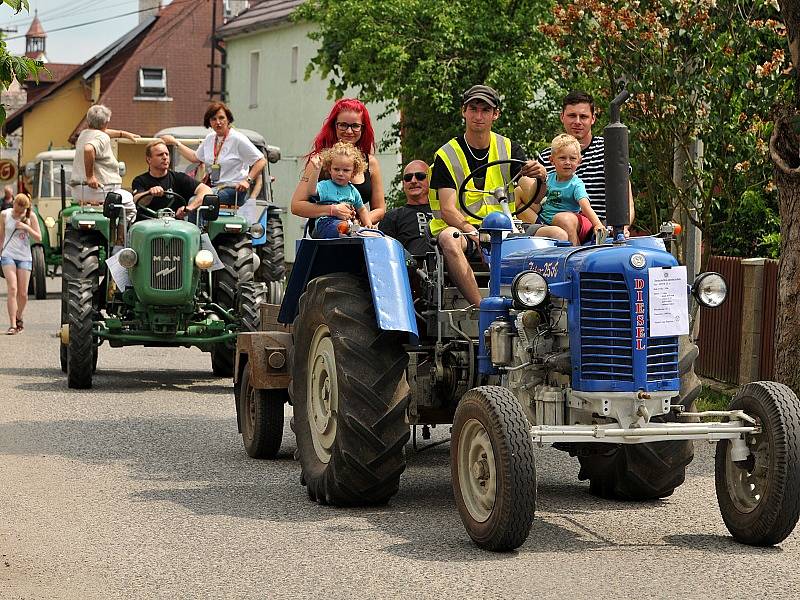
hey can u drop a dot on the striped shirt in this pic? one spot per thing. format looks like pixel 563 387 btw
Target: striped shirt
pixel 591 171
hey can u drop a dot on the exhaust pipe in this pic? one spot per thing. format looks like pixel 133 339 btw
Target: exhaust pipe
pixel 616 167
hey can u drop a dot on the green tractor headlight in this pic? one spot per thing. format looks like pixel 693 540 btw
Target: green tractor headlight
pixel 128 257
pixel 50 222
pixel 204 259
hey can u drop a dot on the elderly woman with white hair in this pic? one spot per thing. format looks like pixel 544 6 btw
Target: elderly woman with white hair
pixel 95 170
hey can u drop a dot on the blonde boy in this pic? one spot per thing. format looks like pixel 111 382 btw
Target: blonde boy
pixel 564 192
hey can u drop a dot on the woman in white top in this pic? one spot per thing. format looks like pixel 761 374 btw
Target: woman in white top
pixel 16 228
pixel 95 170
pixel 232 162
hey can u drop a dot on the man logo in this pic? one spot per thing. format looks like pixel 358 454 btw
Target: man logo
pixel 166 259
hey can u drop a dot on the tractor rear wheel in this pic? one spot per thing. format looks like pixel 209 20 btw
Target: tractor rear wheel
pixel 236 254
pixel 272 270
pixel 346 389
pixel 492 468
pixel 645 471
pixel 760 497
pixel 39 274
pixel 81 349
pixel 81 260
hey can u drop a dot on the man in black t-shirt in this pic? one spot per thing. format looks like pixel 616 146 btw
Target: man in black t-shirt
pixel 409 224
pixel 148 188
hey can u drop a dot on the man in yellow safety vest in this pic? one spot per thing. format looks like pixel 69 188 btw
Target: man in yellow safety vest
pixel 456 233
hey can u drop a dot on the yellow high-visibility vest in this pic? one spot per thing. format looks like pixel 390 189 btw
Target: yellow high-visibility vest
pixel 454 158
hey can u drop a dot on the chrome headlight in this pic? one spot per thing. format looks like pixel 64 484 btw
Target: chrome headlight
pixel 128 257
pixel 710 289
pixel 256 230
pixel 204 259
pixel 529 289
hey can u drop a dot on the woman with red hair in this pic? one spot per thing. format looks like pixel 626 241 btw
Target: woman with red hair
pixel 349 122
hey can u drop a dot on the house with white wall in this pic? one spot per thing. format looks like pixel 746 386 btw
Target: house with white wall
pixel 266 56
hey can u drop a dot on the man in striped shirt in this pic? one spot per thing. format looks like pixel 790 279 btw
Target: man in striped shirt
pixel 577 116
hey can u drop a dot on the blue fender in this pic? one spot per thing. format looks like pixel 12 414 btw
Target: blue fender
pixel 382 258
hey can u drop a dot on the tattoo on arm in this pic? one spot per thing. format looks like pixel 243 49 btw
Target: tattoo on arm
pixel 304 178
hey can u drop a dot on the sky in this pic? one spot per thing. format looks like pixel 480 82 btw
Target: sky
pixel 83 39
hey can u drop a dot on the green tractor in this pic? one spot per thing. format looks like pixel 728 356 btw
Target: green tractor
pixel 51 195
pixel 162 282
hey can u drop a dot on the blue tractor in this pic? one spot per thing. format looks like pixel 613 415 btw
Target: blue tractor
pixel 581 348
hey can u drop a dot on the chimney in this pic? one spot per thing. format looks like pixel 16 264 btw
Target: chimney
pixel 148 8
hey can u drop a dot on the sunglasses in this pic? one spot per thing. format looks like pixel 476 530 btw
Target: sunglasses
pixel 356 127
pixel 419 175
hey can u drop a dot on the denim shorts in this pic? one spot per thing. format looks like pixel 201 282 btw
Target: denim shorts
pixel 25 265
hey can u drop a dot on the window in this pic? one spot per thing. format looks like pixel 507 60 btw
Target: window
pixel 152 82
pixel 254 58
pixel 293 76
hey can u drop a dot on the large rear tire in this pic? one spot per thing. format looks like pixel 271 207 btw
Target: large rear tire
pixel 261 417
pixel 644 471
pixel 492 468
pixel 81 260
pixel 759 498
pixel 81 348
pixel 236 253
pixel 39 273
pixel 271 253
pixel 349 413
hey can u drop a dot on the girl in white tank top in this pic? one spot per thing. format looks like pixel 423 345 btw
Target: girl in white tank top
pixel 17 226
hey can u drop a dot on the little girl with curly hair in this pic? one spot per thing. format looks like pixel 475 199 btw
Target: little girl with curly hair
pixel 343 161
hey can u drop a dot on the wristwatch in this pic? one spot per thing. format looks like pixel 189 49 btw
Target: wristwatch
pixel 250 180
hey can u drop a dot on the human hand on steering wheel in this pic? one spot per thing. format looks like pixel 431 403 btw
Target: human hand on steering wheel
pixel 501 193
pixel 158 191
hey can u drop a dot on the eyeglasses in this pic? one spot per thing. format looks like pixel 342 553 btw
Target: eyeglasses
pixel 356 127
pixel 421 176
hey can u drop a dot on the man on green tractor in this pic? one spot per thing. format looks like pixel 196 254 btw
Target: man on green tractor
pixel 160 187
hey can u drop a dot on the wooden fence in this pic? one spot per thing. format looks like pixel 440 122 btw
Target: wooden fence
pixel 744 324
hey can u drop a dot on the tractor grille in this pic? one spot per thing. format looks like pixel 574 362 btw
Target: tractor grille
pixel 166 271
pixel 662 358
pixel 606 333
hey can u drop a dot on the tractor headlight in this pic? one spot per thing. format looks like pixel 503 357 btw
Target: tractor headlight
pixel 49 222
pixel 256 230
pixel 204 259
pixel 128 257
pixel 529 289
pixel 710 289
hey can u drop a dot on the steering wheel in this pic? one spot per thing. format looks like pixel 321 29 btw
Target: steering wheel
pixel 499 193
pixel 169 194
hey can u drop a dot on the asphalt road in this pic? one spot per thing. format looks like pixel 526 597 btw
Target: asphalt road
pixel 140 488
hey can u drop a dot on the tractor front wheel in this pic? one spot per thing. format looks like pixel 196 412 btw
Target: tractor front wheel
pixel 39 273
pixel 492 468
pixel 760 497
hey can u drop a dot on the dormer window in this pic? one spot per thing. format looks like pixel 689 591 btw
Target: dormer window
pixel 152 82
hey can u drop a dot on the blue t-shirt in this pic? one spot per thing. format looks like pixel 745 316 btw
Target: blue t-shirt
pixel 333 193
pixel 562 196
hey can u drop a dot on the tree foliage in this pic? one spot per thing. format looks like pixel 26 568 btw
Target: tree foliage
pixel 707 69
pixel 420 56
pixel 14 67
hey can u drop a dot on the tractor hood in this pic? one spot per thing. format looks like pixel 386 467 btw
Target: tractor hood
pixel 165 273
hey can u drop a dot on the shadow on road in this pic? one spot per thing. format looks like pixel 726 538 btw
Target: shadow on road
pixel 122 382
pixel 198 463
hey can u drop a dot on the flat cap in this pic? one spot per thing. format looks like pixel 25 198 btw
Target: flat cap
pixel 481 92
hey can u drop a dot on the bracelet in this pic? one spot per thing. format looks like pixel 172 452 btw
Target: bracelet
pixel 331 210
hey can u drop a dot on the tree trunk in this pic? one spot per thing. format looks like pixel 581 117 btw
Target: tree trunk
pixel 784 146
